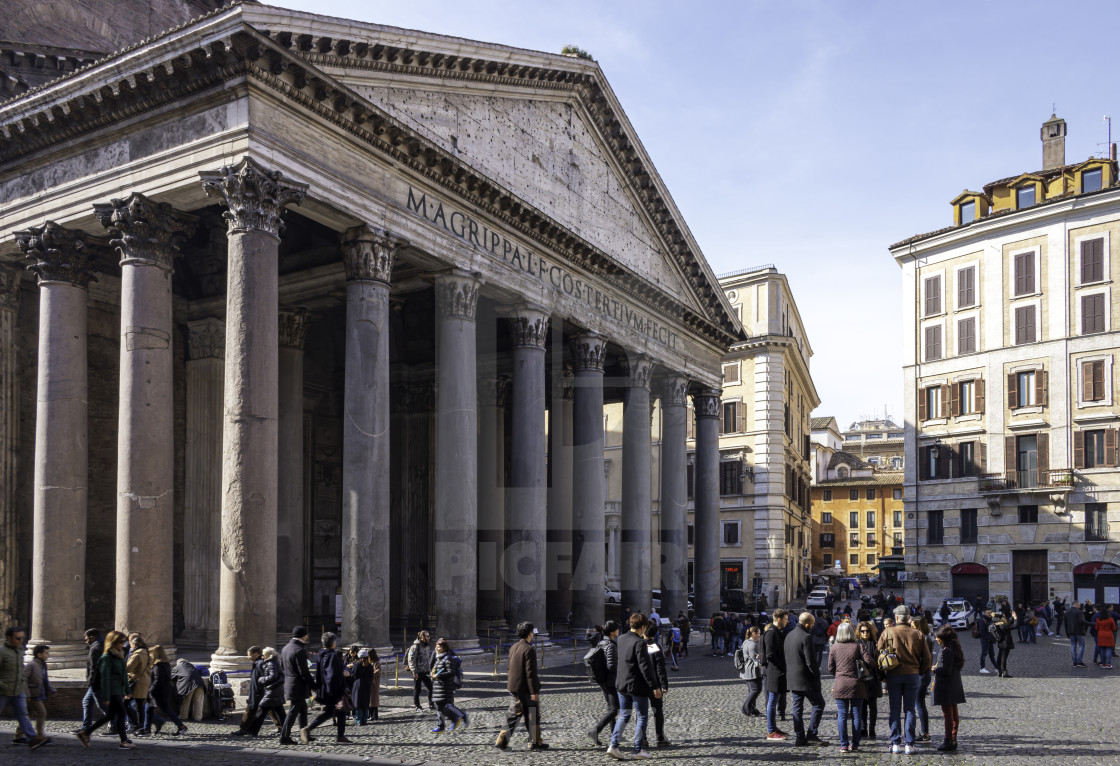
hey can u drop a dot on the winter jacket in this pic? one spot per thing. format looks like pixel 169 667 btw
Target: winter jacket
pixel 251 701
pixel 636 674
pixel 773 658
pixel 13 680
pixel 751 649
pixel 610 652
pixel 329 674
pixel 842 665
pixel 160 690
pixel 113 677
pixel 419 658
pixel 802 672
pixel 270 684
pixel 1001 634
pixel 948 689
pixel 874 688
pixel 39 686
pixel 1076 624
pixel 186 676
pixel 366 689
pixel 910 646
pixel 96 649
pixel 658 657
pixel 443 678
pixel 297 676
pixel 521 672
pixel 1106 631
pixel 139 667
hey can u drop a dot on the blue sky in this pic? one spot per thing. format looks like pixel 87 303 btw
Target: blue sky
pixel 812 135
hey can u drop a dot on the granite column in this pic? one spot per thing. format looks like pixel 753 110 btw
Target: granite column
pixel 674 497
pixel 706 494
pixel 559 540
pixel 637 544
pixel 289 500
pixel 493 395
pixel 588 481
pixel 10 280
pixel 247 608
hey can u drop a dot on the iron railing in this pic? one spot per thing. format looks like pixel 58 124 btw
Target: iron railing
pixel 1051 478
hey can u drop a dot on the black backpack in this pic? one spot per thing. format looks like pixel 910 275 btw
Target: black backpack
pixel 740 660
pixel 596 662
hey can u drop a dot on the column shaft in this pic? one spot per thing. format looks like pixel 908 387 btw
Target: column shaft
pixel 10 278
pixel 455 556
pixel 528 501
pixel 289 510
pixel 674 500
pixel 706 492
pixel 491 498
pixel 559 541
pixel 636 537
pixel 588 512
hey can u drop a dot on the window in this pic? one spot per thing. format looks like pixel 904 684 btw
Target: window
pixel 933 343
pixel 870 539
pixel 732 417
pixel 897 519
pixel 1092 381
pixel 690 533
pixel 870 558
pixel 966 459
pixel 968 212
pixel 969 397
pixel 870 519
pixel 930 402
pixel 827 540
pixel 1028 514
pixel 852 437
pixel 936 529
pixel 1095 448
pixel 875 460
pixel 1026 389
pixel 731 373
pixel 1096 522
pixel 730 473
pixel 896 464
pixel 932 288
pixel 853 517
pixel 874 436
pixel 1024 273
pixel 826 518
pixel 1025 325
pixel 853 559
pixel 826 496
pixel 1024 197
pixel 853 539
pixel 730 533
pixel 968 526
pixel 1026 458
pixel 842 472
pixel 966 336
pixel 1090 181
pixel 898 539
pixel 1092 260
pixel 966 287
pixel 870 494
pixel 1092 314
pixel 936 462
pixel 853 494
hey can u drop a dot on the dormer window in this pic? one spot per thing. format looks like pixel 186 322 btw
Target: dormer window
pixel 1091 180
pixel 968 211
pixel 1024 197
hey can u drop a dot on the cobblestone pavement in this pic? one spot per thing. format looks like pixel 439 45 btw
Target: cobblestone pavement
pixel 1047 711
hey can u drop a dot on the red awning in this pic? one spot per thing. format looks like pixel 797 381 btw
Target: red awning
pixel 1095 567
pixel 967 569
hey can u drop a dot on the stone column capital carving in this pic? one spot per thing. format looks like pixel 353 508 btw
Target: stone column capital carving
pixel 640 370
pixel 674 391
pixel 10 278
pixel 56 254
pixel 145 231
pixel 206 339
pixel 368 253
pixel 588 349
pixel 256 197
pixel 567 383
pixel 706 403
pixel 528 325
pixel 293 328
pixel 494 391
pixel 457 293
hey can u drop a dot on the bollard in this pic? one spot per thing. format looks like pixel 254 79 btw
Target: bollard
pixel 497 652
pixel 396 671
pixel 575 650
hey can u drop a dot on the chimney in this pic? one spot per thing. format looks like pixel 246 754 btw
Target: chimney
pixel 1053 143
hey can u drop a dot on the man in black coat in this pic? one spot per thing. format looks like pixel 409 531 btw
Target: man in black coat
pixel 1076 625
pixel 636 682
pixel 607 685
pixel 803 677
pixel 91 709
pixel 657 703
pixel 773 661
pixel 524 686
pixel 297 682
pixel 332 674
pixel 253 702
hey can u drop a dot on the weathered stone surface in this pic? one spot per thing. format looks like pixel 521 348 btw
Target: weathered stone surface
pixel 637 545
pixel 290 560
pixel 588 517
pixel 10 280
pixel 674 496
pixel 706 493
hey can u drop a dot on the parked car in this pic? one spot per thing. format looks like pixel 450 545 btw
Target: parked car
pixel 817 598
pixel 612 595
pixel 864 580
pixel 740 601
pixel 657 604
pixel 962 614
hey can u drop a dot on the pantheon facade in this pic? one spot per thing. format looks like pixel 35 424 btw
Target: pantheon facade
pixel 294 307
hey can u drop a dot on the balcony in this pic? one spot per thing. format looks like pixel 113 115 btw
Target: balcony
pixel 1047 481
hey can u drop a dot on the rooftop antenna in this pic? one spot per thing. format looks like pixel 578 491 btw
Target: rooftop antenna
pixel 1108 145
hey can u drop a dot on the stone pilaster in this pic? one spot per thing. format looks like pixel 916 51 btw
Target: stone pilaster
pixel 455 553
pixel 255 199
pixel 60 259
pixel 289 501
pixel 147 236
pixel 368 256
pixel 202 523
pixel 492 399
pixel 674 496
pixel 706 494
pixel 528 500
pixel 637 544
pixel 558 574
pixel 10 279
pixel 588 482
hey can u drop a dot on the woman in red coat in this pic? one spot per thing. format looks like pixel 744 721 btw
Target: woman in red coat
pixel 1106 636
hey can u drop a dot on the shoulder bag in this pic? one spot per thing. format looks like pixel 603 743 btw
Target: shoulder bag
pixel 888 657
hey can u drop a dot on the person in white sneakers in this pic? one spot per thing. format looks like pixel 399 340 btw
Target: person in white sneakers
pixel 636 682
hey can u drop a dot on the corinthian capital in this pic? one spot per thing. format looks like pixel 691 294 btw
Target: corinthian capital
pixel 56 254
pixel 10 278
pixel 207 339
pixel 457 293
pixel 255 196
pixel 368 253
pixel 528 325
pixel 588 350
pixel 674 391
pixel 293 328
pixel 706 403
pixel 641 371
pixel 145 231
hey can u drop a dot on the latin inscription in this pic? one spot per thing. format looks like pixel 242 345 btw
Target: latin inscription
pixel 498 246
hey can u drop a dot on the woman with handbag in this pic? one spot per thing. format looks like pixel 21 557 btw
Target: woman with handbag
pixel 849 663
pixel 1001 634
pixel 948 690
pixel 873 684
pixel 752 672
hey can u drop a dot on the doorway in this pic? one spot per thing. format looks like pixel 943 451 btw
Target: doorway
pixel 1028 576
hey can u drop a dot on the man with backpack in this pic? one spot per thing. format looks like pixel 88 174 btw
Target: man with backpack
pixel 602 664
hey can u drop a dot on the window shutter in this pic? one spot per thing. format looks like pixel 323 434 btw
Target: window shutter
pixel 1092 260
pixel 739 477
pixel 1028 272
pixel 1043 441
pixel 1110 446
pixel 1098 380
pixel 1078 449
pixel 923 409
pixel 1009 455
pixel 982 452
pixel 945 460
pixel 1086 382
pixel 1041 387
pixel 741 416
pixel 1012 391
pixel 944 400
pixel 979 395
pixel 923 463
pixel 955 399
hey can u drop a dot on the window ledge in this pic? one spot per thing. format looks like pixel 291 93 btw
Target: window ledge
pixel 1099 283
pixel 972 416
pixel 1097 470
pixel 934 422
pixel 1028 424
pixel 1035 294
pixel 1095 417
pixel 1034 409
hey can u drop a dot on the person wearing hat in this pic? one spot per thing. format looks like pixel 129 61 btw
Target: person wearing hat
pixel 366 688
pixel 253 702
pixel 904 681
pixel 297 682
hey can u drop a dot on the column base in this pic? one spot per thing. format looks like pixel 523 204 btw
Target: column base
pixel 197 638
pixel 63 656
pixel 230 662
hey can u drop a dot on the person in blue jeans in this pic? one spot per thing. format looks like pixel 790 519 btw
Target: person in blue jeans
pixel 772 657
pixel 987 648
pixel 1076 626
pixel 13 686
pixel 91 708
pixel 636 681
pixel 904 681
